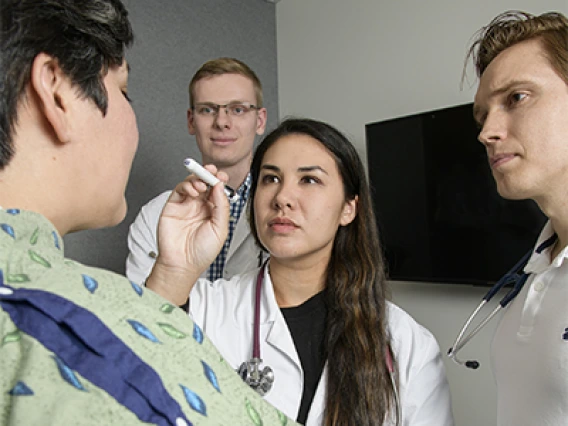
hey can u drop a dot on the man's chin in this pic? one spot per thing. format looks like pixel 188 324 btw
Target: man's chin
pixel 512 192
pixel 113 218
pixel 120 213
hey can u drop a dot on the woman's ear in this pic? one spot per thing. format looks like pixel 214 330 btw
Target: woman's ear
pixel 349 211
pixel 54 92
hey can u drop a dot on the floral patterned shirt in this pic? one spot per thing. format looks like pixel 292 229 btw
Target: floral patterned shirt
pixel 84 346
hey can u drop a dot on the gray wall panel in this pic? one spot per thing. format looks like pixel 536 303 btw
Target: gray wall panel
pixel 173 38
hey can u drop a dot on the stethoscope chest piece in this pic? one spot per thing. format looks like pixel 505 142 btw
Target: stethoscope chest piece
pixel 260 380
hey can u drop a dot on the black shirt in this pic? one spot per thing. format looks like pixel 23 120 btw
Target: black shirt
pixel 307 327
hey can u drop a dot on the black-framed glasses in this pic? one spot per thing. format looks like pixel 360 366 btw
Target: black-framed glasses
pixel 234 109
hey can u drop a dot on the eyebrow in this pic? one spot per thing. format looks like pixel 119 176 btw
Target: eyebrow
pixel 233 102
pixel 507 87
pixel 302 169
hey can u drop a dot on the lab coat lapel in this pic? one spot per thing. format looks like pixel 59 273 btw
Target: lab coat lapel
pixel 315 415
pixel 278 336
pixel 242 230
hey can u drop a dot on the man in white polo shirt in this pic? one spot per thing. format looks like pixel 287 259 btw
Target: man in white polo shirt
pixel 521 106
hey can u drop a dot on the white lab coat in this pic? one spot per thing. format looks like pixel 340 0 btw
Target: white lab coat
pixel 243 254
pixel 225 311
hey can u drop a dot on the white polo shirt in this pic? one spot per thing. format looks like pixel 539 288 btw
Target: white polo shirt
pixel 530 347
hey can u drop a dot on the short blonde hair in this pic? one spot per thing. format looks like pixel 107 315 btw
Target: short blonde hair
pixel 222 66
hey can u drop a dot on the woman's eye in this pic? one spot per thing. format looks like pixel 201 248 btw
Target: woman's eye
pixel 125 94
pixel 310 179
pixel 269 179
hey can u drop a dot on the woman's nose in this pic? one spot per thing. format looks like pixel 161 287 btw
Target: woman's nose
pixel 284 197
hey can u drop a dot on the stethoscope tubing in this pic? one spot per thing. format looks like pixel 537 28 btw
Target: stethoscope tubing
pixel 517 275
pixel 461 342
pixel 256 334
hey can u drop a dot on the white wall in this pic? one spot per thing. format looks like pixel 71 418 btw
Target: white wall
pixel 359 61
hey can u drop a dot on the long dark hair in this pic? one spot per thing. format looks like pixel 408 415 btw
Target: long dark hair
pixel 359 389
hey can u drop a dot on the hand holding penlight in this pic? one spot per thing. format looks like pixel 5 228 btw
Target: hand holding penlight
pixel 205 175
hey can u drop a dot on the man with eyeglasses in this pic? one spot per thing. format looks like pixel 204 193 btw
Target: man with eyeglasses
pixel 225 115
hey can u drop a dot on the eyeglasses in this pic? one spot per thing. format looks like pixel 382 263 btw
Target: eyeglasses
pixel 236 109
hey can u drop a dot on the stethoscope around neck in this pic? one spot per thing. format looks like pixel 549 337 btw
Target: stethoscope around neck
pixel 261 379
pixel 515 276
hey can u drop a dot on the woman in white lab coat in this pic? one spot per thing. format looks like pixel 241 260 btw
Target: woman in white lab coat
pixel 340 353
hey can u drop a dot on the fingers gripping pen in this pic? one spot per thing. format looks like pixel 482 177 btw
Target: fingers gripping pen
pixel 198 170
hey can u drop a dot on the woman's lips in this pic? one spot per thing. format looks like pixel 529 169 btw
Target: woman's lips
pixel 282 225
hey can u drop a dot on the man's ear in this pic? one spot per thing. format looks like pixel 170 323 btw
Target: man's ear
pixel 190 123
pixel 54 92
pixel 261 121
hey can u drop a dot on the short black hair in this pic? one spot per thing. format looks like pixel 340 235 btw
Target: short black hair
pixel 86 37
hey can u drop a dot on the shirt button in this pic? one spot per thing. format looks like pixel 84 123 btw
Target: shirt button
pixel 5 291
pixel 539 286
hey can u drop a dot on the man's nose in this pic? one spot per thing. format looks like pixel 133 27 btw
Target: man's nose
pixel 494 128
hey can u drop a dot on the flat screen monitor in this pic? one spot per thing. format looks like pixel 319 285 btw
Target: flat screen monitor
pixel 439 215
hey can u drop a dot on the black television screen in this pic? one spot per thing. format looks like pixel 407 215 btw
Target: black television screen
pixel 439 215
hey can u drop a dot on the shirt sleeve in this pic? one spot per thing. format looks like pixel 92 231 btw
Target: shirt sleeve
pixel 424 389
pixel 142 239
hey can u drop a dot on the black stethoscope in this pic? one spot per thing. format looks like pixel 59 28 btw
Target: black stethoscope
pixel 515 276
pixel 261 380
